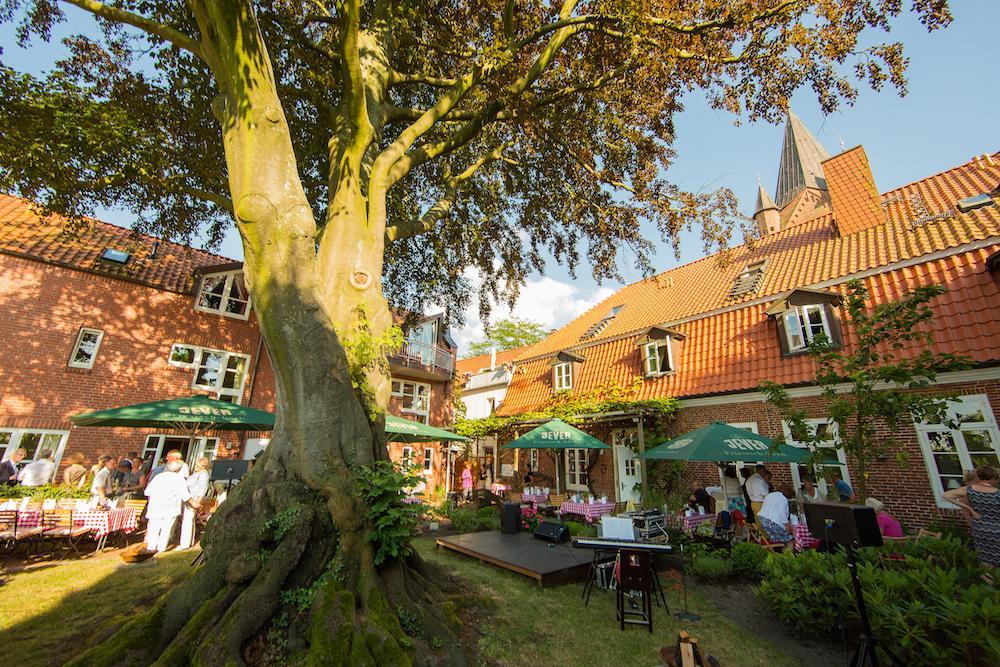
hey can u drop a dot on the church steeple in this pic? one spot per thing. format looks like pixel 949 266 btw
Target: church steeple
pixel 766 214
pixel 801 155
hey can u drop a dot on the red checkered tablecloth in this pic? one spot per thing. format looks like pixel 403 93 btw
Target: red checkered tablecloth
pixel 99 521
pixel 590 511
pixel 803 538
pixel 689 523
pixel 498 488
pixel 535 498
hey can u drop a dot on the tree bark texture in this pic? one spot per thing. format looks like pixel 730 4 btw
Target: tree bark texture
pixel 298 513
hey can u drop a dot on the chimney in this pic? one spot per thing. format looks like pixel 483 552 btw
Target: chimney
pixel 493 358
pixel 856 202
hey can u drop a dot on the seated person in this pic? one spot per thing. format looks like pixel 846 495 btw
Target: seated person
pixel 699 496
pixel 887 524
pixel 774 517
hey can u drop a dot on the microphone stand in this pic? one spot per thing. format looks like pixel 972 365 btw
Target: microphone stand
pixel 685 615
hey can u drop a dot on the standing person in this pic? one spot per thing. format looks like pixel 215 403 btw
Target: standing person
pixel 467 481
pixel 699 497
pixel 747 472
pixel 734 491
pixel 843 490
pixel 197 485
pixel 9 468
pixel 75 474
pixel 757 487
pixel 167 492
pixel 103 485
pixel 40 471
pixel 983 501
pixel 172 455
pixel 775 519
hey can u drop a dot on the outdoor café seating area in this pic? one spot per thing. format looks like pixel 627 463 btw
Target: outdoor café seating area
pixel 65 525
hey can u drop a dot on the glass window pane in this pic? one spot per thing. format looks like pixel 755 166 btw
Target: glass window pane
pixel 181 354
pixel 29 443
pixel 968 411
pixel 212 288
pixel 978 441
pixel 948 464
pixel 235 370
pixel 86 349
pixel 984 460
pixel 793 330
pixel 238 296
pixel 941 441
pixel 949 482
pixel 208 369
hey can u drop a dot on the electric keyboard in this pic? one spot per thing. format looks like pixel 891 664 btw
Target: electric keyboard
pixel 626 545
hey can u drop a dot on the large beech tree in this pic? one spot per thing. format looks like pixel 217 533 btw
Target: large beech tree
pixel 376 148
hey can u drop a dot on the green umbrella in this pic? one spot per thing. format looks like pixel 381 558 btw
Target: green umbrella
pixel 398 429
pixel 722 442
pixel 556 434
pixel 192 415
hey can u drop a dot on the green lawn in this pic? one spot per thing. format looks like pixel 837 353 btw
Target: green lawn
pixel 52 612
pixel 533 626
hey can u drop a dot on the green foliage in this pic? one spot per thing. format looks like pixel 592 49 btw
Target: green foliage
pixel 489 518
pixel 929 605
pixel 580 529
pixel 366 352
pixel 468 520
pixel 567 406
pixel 278 526
pixel 875 358
pixel 409 620
pixel 302 598
pixel 44 492
pixel 394 521
pixel 749 560
pixel 711 567
pixel 508 334
pixel 260 556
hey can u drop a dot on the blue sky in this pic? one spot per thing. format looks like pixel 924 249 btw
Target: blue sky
pixel 948 116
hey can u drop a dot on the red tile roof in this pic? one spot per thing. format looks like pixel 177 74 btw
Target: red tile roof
pixel 478 363
pixel 24 233
pixel 731 348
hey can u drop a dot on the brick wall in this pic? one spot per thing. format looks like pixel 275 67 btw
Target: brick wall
pixel 43 307
pixel 440 414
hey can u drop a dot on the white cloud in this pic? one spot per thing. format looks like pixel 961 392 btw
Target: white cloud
pixel 545 300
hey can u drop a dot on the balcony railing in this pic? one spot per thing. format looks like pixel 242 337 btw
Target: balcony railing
pixel 427 356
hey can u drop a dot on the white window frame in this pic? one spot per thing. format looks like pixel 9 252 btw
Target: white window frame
pixel 407 457
pixel 740 465
pixel 203 446
pixel 797 325
pixel 563 374
pixel 76 347
pixel 820 483
pixel 924 431
pixel 419 408
pixel 651 351
pixel 576 480
pixel 428 459
pixel 533 459
pixel 17 434
pixel 217 388
pixel 183 364
pixel 225 297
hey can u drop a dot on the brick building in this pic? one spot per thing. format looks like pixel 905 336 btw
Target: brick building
pixel 709 332
pixel 97 317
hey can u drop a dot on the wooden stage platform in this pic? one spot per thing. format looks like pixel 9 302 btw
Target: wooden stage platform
pixel 547 563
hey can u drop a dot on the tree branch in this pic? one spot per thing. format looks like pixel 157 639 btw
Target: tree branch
pixel 399 78
pixel 148 26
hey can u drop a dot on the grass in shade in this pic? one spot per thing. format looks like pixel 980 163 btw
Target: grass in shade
pixel 50 613
pixel 533 626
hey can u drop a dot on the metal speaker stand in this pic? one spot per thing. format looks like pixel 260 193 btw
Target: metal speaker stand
pixel 685 615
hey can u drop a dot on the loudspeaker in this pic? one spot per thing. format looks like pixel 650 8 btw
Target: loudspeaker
pixel 510 518
pixel 552 532
pixel 847 525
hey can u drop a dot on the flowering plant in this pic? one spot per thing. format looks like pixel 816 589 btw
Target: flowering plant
pixel 529 518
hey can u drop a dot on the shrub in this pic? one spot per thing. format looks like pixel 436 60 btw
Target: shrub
pixel 44 492
pixel 529 518
pixel 711 567
pixel 580 529
pixel 928 607
pixel 394 521
pixel 464 520
pixel 488 518
pixel 749 560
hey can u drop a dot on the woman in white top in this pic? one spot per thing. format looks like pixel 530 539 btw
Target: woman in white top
pixel 197 485
pixel 809 493
pixel 774 517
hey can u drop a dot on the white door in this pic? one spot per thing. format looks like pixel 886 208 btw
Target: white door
pixel 576 470
pixel 629 474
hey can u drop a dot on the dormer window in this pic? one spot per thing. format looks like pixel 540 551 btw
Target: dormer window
pixel 224 294
pixel 803 315
pixel 656 344
pixel 749 280
pixel 803 324
pixel 563 374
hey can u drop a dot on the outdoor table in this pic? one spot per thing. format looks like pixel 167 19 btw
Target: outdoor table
pixel 689 523
pixel 535 498
pixel 803 538
pixel 101 522
pixel 499 489
pixel 590 511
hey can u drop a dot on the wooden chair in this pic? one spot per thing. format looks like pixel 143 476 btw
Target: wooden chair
pixel 756 535
pixel 66 504
pixel 923 532
pixel 11 534
pixel 58 525
pixel 619 509
pixel 557 499
pixel 139 505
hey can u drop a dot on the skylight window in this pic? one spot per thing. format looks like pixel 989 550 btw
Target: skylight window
pixel 601 324
pixel 974 202
pixel 115 255
pixel 749 280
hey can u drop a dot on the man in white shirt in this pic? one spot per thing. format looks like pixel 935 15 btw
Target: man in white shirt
pixel 757 486
pixel 102 486
pixel 167 493
pixel 172 455
pixel 39 471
